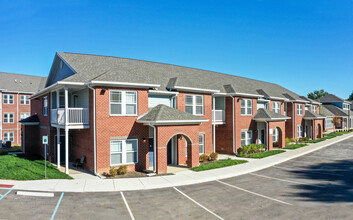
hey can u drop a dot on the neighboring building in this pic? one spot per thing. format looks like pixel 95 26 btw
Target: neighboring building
pixel 15 90
pixel 147 115
pixel 333 106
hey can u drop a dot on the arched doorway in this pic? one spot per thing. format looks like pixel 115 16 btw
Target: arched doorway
pixel 319 131
pixel 177 149
pixel 277 137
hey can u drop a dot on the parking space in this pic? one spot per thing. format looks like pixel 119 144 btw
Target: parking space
pixel 318 185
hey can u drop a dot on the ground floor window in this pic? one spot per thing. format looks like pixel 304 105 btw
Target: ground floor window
pixel 201 143
pixel 123 152
pixel 300 131
pixel 9 136
pixel 246 137
pixel 275 135
pixel 329 122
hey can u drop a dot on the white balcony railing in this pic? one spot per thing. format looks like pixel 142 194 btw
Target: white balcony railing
pixel 218 115
pixel 75 116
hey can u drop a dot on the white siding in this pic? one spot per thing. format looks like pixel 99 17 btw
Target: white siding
pixel 156 100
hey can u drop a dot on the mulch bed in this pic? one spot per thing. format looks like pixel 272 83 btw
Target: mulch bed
pixel 135 174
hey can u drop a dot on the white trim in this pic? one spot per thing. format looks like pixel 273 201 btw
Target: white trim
pixel 272 119
pixel 124 152
pixel 126 84
pixel 194 105
pixel 246 95
pixel 191 89
pixel 203 144
pixel 277 98
pixel 8 117
pixel 162 92
pixel 246 107
pixel 123 103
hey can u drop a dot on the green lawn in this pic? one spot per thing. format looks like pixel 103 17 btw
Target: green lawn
pixel 295 146
pixel 21 167
pixel 265 154
pixel 218 164
pixel 4 151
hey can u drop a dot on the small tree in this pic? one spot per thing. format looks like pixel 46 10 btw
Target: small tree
pixel 336 120
pixel 317 94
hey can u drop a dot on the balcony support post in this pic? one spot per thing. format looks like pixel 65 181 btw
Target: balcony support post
pixel 66 150
pixel 66 106
pixel 58 146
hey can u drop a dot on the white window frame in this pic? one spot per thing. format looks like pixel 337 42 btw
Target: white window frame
pixel 194 104
pixel 24 99
pixel 248 137
pixel 275 135
pixel 124 152
pixel 24 113
pixel 7 136
pixel 202 145
pixel 123 103
pixel 9 100
pixel 45 106
pixel 276 107
pixel 299 109
pixel 300 131
pixel 345 106
pixel 314 108
pixel 246 106
pixel 8 118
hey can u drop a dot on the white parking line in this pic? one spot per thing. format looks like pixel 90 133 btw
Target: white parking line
pixel 254 193
pixel 127 206
pixel 214 214
pixel 308 171
pixel 39 194
pixel 284 180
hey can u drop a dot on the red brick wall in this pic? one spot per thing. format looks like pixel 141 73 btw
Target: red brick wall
pixel 17 108
pixel 298 120
pixel 281 133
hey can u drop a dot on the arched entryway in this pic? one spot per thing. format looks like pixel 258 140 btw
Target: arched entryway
pixel 277 137
pixel 319 131
pixel 177 149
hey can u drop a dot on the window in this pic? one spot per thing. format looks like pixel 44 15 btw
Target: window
pixel 314 108
pixel 328 123
pixel 8 136
pixel 246 107
pixel 299 109
pixel 201 143
pixel 307 107
pixel 123 151
pixel 262 105
pixel 123 103
pixel 300 131
pixel 246 137
pixel 24 115
pixel 186 148
pixel 275 135
pixel 194 104
pixel 45 106
pixel 8 118
pixel 8 99
pixel 276 107
pixel 345 106
pixel 24 100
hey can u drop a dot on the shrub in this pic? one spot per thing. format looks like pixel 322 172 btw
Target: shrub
pixel 113 171
pixel 251 149
pixel 203 157
pixel 122 170
pixel 213 156
pixel 303 139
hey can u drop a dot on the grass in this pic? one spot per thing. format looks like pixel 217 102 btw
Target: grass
pixel 21 167
pixel 265 154
pixel 218 164
pixel 295 146
pixel 4 151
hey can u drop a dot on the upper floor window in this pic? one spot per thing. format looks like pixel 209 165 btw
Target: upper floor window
pixel 262 105
pixel 246 137
pixel 314 108
pixel 24 100
pixel 194 104
pixel 8 99
pixel 123 102
pixel 24 115
pixel 123 151
pixel 300 131
pixel 299 109
pixel 345 106
pixel 45 106
pixel 307 107
pixel 246 107
pixel 276 107
pixel 201 143
pixel 8 118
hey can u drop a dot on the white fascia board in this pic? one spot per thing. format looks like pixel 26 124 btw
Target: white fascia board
pixel 54 87
pixel 162 92
pixel 191 89
pixel 7 91
pixel 277 98
pixel 174 122
pixel 263 100
pixel 246 95
pixel 125 84
pixel 43 91
pixel 272 119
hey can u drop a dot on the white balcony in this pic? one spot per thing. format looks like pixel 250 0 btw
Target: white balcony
pixel 218 116
pixel 76 117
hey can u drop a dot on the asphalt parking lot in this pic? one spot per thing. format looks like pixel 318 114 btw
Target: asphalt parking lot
pixel 318 185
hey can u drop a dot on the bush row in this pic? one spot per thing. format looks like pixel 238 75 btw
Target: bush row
pixel 212 157
pixel 247 150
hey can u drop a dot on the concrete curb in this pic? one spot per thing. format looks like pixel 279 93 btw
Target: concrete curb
pixel 181 178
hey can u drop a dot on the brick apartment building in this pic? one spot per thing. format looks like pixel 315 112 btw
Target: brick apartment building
pixel 15 90
pixel 149 115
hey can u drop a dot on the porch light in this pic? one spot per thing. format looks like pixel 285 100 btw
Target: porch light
pixel 144 140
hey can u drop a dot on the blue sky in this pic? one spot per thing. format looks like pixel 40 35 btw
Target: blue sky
pixel 301 45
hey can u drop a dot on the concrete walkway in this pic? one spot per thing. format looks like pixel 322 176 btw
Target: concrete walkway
pixel 180 178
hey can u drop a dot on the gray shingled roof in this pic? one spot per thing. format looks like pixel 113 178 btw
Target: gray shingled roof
pixel 106 68
pixel 267 115
pixel 311 115
pixel 21 83
pixel 165 114
pixel 30 120
pixel 332 110
pixel 330 98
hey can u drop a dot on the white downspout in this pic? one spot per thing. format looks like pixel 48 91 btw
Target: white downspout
pixel 17 117
pixel 267 135
pixel 94 129
pixel 213 125
pixel 233 107
pixel 293 120
pixel 154 147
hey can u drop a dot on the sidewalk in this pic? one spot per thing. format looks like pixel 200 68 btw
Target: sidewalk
pixel 180 178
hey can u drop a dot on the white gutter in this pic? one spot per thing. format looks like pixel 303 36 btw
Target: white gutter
pixel 94 129
pixel 191 89
pixel 125 84
pixel 233 103
pixel 162 92
pixel 47 89
pixel 154 148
